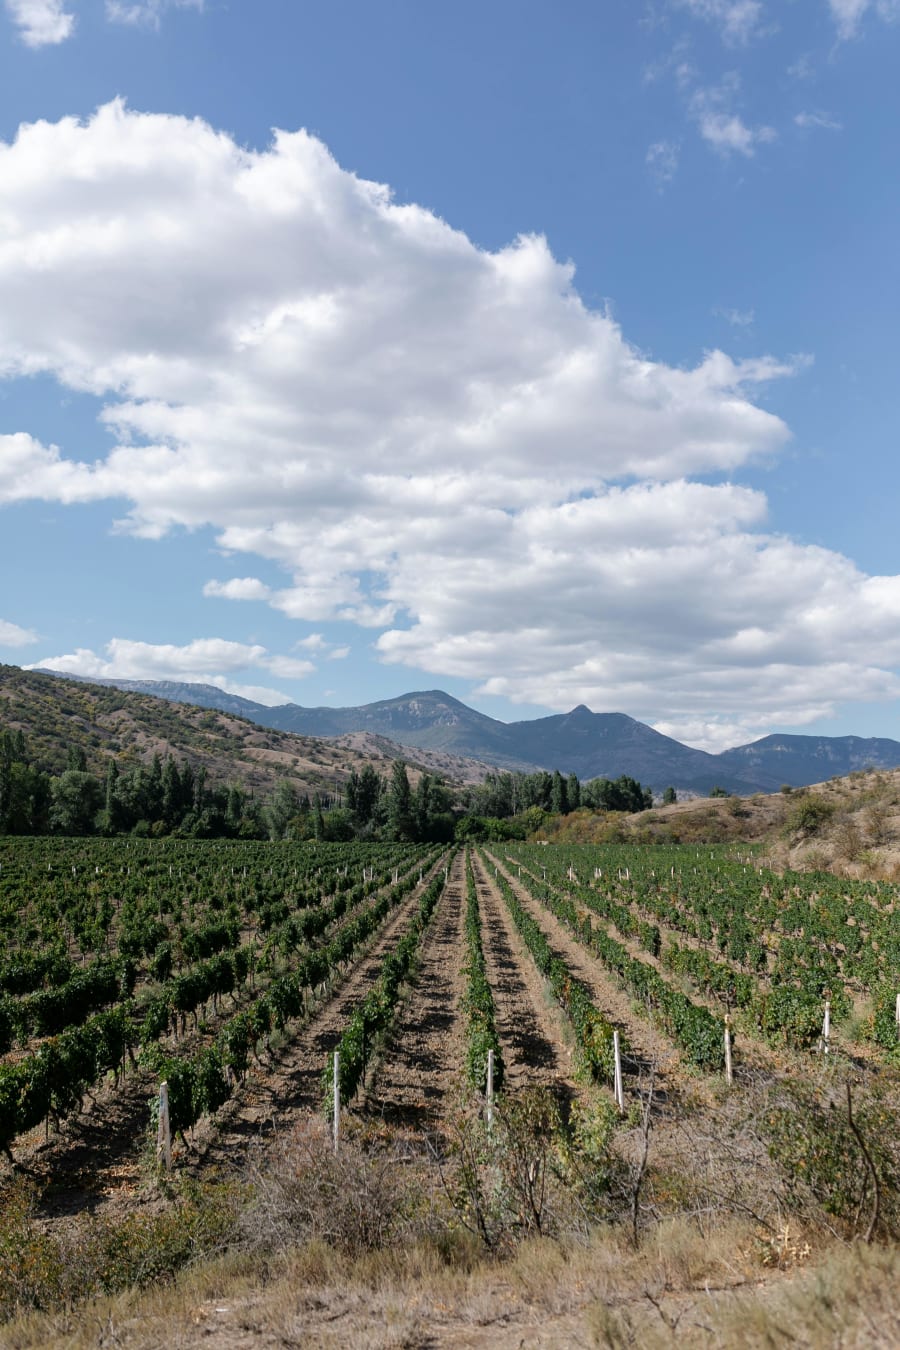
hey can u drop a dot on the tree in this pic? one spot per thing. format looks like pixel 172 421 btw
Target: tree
pixel 75 800
pixel 281 809
pixel 400 823
pixel 670 796
pixel 559 801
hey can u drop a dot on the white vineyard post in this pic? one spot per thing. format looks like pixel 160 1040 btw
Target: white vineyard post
pixel 729 1075
pixel 898 1014
pixel 337 1100
pixel 164 1131
pixel 617 1078
pixel 489 1114
pixel 826 1026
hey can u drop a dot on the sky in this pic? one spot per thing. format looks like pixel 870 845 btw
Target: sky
pixel 541 353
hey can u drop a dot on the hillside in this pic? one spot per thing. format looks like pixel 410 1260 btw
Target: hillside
pixel 106 722
pixel 848 825
pixel 589 744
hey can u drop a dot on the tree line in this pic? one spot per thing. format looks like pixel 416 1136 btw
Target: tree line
pixel 165 797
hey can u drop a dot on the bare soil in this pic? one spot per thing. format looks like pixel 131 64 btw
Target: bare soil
pixel 646 1048
pixel 420 1068
pixel 96 1162
pixel 528 1027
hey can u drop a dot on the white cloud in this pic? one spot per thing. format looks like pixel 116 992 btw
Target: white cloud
pixel 662 160
pixel 238 588
pixel 339 654
pixel 720 125
pixel 616 572
pixel 848 14
pixel 145 12
pixel 809 120
pixel 203 661
pixel 11 635
pixel 436 441
pixel 737 20
pixel 41 23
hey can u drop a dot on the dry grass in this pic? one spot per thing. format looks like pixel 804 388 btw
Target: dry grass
pixel 366 1250
pixel 681 1287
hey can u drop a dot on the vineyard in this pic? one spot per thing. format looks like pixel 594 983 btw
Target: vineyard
pixel 450 983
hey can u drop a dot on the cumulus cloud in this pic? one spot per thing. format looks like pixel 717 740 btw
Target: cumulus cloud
pixel 41 23
pixel 11 635
pixel 203 661
pixel 238 588
pixel 744 643
pixel 437 442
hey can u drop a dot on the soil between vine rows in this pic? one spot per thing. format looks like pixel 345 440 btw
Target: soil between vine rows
pixel 534 1050
pixel 271 1098
pixel 418 1079
pixel 754 1057
pixel 419 1075
pixel 647 1048
pixel 96 1162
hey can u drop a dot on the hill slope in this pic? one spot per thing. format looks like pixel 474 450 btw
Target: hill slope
pixel 105 722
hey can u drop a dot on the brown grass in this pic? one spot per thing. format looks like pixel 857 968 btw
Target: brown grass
pixel 681 1288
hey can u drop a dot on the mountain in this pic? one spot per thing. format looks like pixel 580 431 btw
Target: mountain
pixel 589 744
pixel 799 760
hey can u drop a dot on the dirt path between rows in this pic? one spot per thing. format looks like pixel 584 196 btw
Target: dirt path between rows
pixel 529 1029
pixel 646 1047
pixel 97 1161
pixel 751 1055
pixel 420 1069
pixel 272 1096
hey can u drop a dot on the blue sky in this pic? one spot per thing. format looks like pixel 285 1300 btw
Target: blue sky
pixel 544 354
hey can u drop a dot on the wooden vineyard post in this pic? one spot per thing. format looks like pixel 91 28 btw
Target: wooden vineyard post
pixel 336 1128
pixel 164 1129
pixel 898 1015
pixel 729 1074
pixel 489 1112
pixel 617 1073
pixel 826 1026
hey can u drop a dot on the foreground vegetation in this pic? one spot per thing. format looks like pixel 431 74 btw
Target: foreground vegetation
pixel 128 960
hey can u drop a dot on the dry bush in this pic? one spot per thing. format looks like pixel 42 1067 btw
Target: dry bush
pixel 355 1201
pixel 847 839
pixel 877 823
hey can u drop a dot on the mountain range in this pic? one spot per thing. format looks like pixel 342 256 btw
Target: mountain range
pixel 586 743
